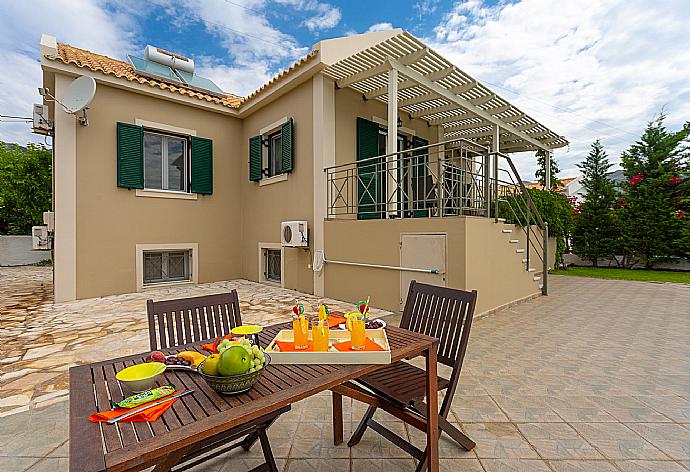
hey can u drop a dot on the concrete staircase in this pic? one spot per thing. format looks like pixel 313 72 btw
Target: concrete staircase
pixel 511 230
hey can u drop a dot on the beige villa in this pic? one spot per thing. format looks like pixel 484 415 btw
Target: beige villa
pixel 172 181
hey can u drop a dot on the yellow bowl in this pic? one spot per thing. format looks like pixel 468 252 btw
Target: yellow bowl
pixel 246 330
pixel 140 377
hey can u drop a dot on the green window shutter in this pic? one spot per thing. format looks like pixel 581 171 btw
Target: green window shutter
pixel 255 159
pixel 288 148
pixel 420 172
pixel 202 165
pixel 130 155
pixel 369 185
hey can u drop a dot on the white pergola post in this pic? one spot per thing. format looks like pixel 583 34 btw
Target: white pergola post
pixel 495 148
pixel 392 143
pixel 547 164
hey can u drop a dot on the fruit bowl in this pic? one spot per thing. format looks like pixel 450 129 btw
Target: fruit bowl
pixel 233 384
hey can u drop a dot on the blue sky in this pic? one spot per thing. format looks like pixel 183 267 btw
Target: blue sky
pixel 588 69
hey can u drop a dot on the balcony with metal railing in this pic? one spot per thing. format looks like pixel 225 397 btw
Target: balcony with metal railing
pixel 455 177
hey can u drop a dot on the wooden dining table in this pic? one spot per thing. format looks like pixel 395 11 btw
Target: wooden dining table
pixel 129 446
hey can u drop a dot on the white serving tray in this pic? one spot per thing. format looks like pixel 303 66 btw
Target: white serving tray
pixel 332 356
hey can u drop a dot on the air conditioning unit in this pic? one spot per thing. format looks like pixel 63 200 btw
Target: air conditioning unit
pixel 49 220
pixel 41 121
pixel 294 234
pixel 40 238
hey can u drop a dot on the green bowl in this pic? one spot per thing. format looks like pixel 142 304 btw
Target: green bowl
pixel 234 384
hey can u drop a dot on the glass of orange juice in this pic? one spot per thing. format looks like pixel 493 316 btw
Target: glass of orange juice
pixel 319 334
pixel 300 330
pixel 356 326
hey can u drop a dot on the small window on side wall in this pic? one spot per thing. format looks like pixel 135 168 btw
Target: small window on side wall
pixel 275 154
pixel 271 154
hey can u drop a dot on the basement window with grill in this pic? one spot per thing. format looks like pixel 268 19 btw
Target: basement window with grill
pixel 167 266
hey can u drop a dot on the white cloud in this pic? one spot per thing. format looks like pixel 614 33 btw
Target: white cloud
pixel 328 18
pixel 380 27
pixel 240 80
pixel 587 69
pixel 425 7
pixel 325 16
pixel 22 24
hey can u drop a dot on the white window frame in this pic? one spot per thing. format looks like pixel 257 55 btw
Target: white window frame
pixel 262 263
pixel 165 129
pixel 193 249
pixel 265 132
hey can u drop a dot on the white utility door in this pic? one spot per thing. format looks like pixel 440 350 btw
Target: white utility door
pixel 421 251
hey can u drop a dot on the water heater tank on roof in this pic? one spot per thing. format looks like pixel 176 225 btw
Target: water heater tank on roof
pixel 294 234
pixel 170 59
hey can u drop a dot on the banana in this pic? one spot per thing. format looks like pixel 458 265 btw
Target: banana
pixel 194 357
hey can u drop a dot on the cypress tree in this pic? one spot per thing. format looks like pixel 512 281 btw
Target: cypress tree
pixel 596 232
pixel 540 174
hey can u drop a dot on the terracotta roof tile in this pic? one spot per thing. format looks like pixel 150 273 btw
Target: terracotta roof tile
pixel 282 74
pixel 99 63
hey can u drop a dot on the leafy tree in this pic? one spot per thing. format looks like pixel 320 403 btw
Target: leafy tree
pixel 554 208
pixel 596 233
pixel 540 174
pixel 25 187
pixel 656 200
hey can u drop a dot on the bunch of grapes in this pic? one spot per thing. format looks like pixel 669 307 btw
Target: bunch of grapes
pixel 256 353
pixel 174 360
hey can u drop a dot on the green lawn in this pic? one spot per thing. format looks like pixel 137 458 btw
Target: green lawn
pixel 627 274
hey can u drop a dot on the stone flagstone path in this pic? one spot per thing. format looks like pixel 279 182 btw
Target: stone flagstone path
pixel 40 340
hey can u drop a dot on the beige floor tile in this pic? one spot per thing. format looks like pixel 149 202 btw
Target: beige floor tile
pixel 582 466
pixel 514 465
pixel 650 466
pixel 464 465
pixel 479 409
pixel 527 409
pixel 498 440
pixel 383 465
pixel 318 465
pixel 672 439
pixel 616 441
pixel 375 445
pixel 17 464
pixel 447 447
pixel 315 440
pixel 558 441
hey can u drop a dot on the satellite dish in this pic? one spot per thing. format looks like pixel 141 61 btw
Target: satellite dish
pixel 79 94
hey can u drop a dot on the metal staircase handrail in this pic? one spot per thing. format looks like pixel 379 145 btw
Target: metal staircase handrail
pixel 531 208
pixel 524 191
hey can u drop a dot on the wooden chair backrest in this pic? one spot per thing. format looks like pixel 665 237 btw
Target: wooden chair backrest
pixel 186 320
pixel 444 313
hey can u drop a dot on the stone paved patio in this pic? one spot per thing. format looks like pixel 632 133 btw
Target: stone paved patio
pixel 40 340
pixel 595 377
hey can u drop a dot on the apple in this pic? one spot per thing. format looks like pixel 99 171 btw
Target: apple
pixel 156 356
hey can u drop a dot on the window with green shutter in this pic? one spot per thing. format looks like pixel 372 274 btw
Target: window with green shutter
pixel 153 160
pixel 130 156
pixel 255 159
pixel 279 155
pixel 369 182
pixel 287 147
pixel 202 165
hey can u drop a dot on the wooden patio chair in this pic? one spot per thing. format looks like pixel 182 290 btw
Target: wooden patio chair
pixel 399 388
pixel 174 323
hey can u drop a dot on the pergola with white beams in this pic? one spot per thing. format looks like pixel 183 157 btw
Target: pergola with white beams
pixel 408 76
